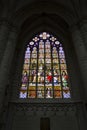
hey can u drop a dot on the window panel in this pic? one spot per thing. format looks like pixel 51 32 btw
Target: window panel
pixel 23 87
pixel 40 92
pixel 47 60
pixel 47 50
pixel 44 72
pixel 34 61
pixel 27 61
pixel 41 44
pixel 55 61
pixel 49 92
pixel 61 55
pixel 62 61
pixel 34 55
pixel 66 94
pixel 41 61
pixel 57 94
pixel 55 66
pixel 25 71
pixel 32 79
pixel 56 72
pixel 26 66
pixel 23 94
pixel 34 50
pixel 41 56
pixel 48 66
pixel 33 66
pixel 47 55
pixel 41 66
pixel 55 55
pixel 25 78
pixel 63 66
pixel 56 80
pixel 31 94
pixel 41 51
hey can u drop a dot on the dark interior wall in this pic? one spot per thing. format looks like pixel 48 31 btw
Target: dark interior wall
pixel 60 116
pixel 58 18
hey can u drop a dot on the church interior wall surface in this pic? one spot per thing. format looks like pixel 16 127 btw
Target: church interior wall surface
pixel 20 22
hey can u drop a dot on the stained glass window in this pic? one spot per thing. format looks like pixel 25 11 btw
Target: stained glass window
pixel 44 72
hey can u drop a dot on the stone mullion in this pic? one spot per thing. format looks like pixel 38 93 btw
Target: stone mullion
pixel 6 64
pixel 81 56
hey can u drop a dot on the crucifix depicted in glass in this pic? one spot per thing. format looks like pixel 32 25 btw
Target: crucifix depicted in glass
pixel 44 72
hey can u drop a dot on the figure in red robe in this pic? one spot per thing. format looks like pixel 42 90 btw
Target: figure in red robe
pixel 49 78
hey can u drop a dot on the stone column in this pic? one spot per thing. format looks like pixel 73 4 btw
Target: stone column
pixel 83 28
pixel 81 53
pixel 6 64
pixel 4 32
pixel 81 117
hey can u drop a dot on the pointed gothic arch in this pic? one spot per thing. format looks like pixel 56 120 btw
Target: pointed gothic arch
pixel 44 72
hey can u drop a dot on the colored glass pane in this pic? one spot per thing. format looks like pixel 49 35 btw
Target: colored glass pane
pixel 44 72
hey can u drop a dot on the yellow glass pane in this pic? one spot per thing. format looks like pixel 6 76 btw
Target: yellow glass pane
pixel 25 70
pixel 32 88
pixel 31 94
pixel 26 66
pixel 57 94
pixel 63 66
pixel 57 88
